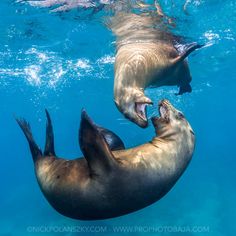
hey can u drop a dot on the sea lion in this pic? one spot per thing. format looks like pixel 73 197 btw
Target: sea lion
pixel 108 183
pixel 148 55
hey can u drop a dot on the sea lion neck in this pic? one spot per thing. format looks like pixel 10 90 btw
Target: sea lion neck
pixel 165 133
pixel 126 92
pixel 125 87
pixel 124 79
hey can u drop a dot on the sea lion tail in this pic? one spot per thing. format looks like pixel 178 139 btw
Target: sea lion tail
pixel 49 149
pixel 25 126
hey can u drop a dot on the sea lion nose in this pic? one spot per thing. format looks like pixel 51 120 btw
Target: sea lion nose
pixel 144 99
pixel 164 102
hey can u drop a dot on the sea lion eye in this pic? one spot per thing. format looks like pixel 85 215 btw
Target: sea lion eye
pixel 181 115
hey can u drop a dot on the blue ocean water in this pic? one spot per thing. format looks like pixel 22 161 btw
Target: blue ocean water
pixel 64 62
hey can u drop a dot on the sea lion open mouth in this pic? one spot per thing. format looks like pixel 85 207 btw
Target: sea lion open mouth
pixel 164 107
pixel 141 109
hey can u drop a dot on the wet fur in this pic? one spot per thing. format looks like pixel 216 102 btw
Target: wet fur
pixel 107 183
pixel 148 55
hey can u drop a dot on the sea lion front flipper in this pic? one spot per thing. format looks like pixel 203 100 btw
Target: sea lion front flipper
pixel 49 149
pixel 113 140
pixel 35 150
pixel 185 50
pixel 94 147
pixel 186 88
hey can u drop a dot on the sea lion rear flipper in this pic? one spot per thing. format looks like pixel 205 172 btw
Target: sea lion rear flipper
pixel 49 149
pixel 184 89
pixel 25 126
pixel 94 146
pixel 113 140
pixel 185 50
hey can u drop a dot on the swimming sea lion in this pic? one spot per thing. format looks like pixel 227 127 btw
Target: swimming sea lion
pixel 109 183
pixel 148 55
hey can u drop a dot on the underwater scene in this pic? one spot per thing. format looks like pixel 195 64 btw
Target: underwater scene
pixel 129 67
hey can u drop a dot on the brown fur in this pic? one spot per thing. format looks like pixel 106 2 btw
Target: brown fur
pixel 109 183
pixel 146 56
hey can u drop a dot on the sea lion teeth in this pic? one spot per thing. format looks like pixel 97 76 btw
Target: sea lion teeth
pixel 163 112
pixel 141 109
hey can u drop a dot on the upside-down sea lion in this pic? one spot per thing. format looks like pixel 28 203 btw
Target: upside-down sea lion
pixel 148 55
pixel 109 183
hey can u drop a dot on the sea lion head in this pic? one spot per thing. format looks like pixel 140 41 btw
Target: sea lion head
pixel 133 104
pixel 170 121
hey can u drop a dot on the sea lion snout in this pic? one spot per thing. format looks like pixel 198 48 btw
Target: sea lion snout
pixel 168 112
pixel 134 106
pixel 170 116
pixel 164 115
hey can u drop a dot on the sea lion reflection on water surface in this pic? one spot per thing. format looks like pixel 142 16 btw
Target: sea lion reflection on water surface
pixel 111 181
